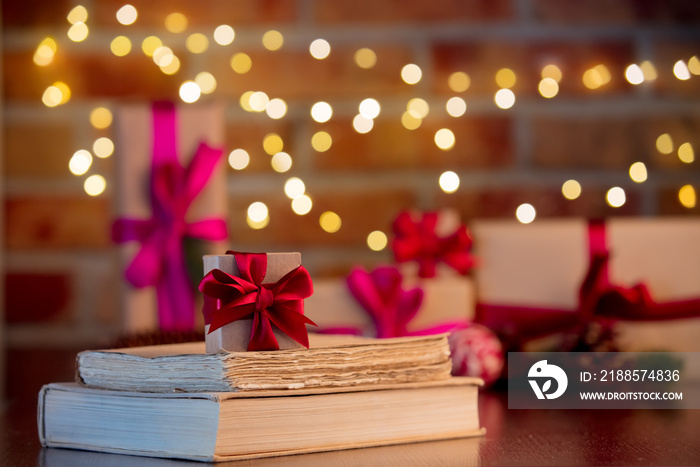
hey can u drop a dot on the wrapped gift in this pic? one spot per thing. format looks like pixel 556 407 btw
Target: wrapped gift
pixel 170 187
pixel 255 301
pixel 639 276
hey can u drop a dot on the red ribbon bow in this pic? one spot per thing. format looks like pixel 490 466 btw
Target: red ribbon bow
pixel 417 240
pixel 231 298
pixel 161 261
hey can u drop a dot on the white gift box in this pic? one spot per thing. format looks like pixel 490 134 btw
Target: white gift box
pixel 542 265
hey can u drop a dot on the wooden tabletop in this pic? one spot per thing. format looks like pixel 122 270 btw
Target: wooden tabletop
pixel 514 437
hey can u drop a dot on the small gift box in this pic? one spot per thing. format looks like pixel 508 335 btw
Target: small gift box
pixel 170 187
pixel 255 301
pixel 638 276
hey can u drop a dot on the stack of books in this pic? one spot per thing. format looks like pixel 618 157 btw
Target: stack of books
pixel 177 401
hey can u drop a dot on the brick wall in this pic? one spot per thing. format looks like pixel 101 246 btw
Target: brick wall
pixel 58 235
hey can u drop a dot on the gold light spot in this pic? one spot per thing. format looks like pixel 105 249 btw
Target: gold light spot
pixel 504 98
pixel 100 118
pixel 321 112
pixel 362 125
pixel 80 162
pixel 365 58
pixel 449 182
pixel 95 185
pixel 294 187
pixel 163 56
pixel 176 22
pixel 172 67
pixel 525 213
pixel 258 225
pixel 321 141
pixel 241 63
pixel 206 82
pixel 694 65
pixel 238 159
pixel 638 172
pixel 410 120
pixel 120 46
pixel 664 144
pixel 634 74
pixel 64 90
pixel 281 162
pixel 273 40
pixel 245 101
pixel 419 107
pixel 224 34
pixel 595 77
pixel 127 15
pixel 615 197
pixel 52 96
pixel 648 70
pixel 103 147
pixel 197 43
pixel 78 15
pixel 687 196
pixel 150 44
pixel 411 73
pixel 680 70
pixel 548 87
pixel 302 205
pixel 276 108
pixel 369 108
pixel 571 189
pixel 330 221
pixel 45 52
pixel 258 215
pixel 78 32
pixel 459 81
pixel 377 240
pixel 551 71
pixel 258 101
pixel 320 49
pixel 444 139
pixel 272 143
pixel 686 153
pixel 190 92
pixel 505 78
pixel 456 106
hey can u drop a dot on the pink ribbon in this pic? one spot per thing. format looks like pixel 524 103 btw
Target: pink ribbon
pixel 160 262
pixel 418 241
pixel 390 306
pixel 598 300
pixel 231 298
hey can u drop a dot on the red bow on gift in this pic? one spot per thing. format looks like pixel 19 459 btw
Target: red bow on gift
pixel 418 241
pixel 231 298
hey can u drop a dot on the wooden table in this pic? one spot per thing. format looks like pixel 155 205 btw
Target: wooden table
pixel 514 437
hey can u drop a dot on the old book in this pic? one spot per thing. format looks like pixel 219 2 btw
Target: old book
pixel 255 424
pixel 331 361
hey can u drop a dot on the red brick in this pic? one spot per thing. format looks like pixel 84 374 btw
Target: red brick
pixel 57 222
pixel 24 13
pixel 38 150
pixel 627 12
pixel 413 11
pixel 479 142
pixel 37 297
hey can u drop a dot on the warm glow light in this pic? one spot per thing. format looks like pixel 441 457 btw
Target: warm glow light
pixel 321 141
pixel 77 15
pixel 103 147
pixel 369 108
pixel 410 120
pixel 648 70
pixel 548 87
pixel 95 185
pixel 80 162
pixel 238 159
pixel 595 77
pixel 150 44
pixel 365 58
pixel 190 92
pixel 56 94
pixel 172 67
pixel 163 56
pixel 459 81
pixel 456 106
pixel 302 205
pixel 206 82
pixel 686 153
pixel 525 213
pixel 245 101
pixel 449 182
pixel 330 221
pixel 294 187
pixel 276 108
pixel 78 32
pixel 281 162
pixel 176 22
pixel 257 211
pixel 664 144
pixel 571 189
pixel 362 125
pixel 615 197
pixel 224 34
pixel 100 118
pixel 551 71
pixel 634 74
pixel 197 43
pixel 127 15
pixel 258 101
pixel 45 52
pixel 120 46
pixel 694 65
pixel 687 196
pixel 680 70
pixel 505 78
pixel 411 73
pixel 272 143
pixel 638 172
pixel 241 63
pixel 320 49
pixel 444 139
pixel 321 112
pixel 377 240
pixel 419 107
pixel 273 40
pixel 504 98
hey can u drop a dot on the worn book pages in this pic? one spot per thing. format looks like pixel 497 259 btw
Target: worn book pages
pixel 331 361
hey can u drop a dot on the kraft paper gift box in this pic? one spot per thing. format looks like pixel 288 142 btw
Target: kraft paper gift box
pixel 542 265
pixel 195 124
pixel 235 336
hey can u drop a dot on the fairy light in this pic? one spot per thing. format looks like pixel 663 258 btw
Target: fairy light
pixel 78 14
pixel 680 70
pixel 190 92
pixel 459 81
pixel 272 143
pixel 365 58
pixel 206 82
pixel 103 147
pixel 525 213
pixel 281 162
pixel 197 43
pixel 238 159
pixel 321 141
pixel 377 240
pixel 176 22
pixel 411 73
pixel 638 172
pixel 369 108
pixel 686 153
pixel 444 139
pixel 362 125
pixel 664 144
pixel 95 185
pixel 571 189
pixel 504 98
pixel 273 40
pixel 100 118
pixel 45 52
pixel 615 197
pixel 127 15
pixel 505 78
pixel 321 112
pixel 330 221
pixel 294 187
pixel 320 49
pixel 241 63
pixel 150 44
pixel 548 87
pixel 634 74
pixel 449 181
pixel 80 162
pixel 301 205
pixel 120 46
pixel 78 32
pixel 224 34
pixel 687 196
pixel 276 108
pixel 456 107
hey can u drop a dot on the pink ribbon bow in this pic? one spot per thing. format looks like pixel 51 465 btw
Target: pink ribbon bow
pixel 160 262
pixel 418 241
pixel 230 298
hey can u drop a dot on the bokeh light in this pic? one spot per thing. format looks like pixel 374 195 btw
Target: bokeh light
pixel 504 98
pixel 456 107
pixel 197 43
pixel 505 78
pixel 120 46
pixel 377 240
pixel 551 71
pixel 369 108
pixel 127 15
pixel 615 197
pixel 302 205
pixel 571 189
pixel 525 213
pixel 241 63
pixel 320 49
pixel 638 172
pixel 80 162
pixel 45 52
pixel 103 147
pixel 150 44
pixel 281 162
pixel 273 40
pixel 100 118
pixel 444 139
pixel 190 92
pixel 321 112
pixel 648 70
pixel 664 144
pixel 78 32
pixel 596 77
pixel 257 211
pixel 176 22
pixel 459 81
pixel 276 108
pixel 411 73
pixel 634 74
pixel 78 14
pixel 95 185
pixel 206 82
pixel 224 34
pixel 362 125
pixel 686 153
pixel 294 187
pixel 694 65
pixel 330 221
pixel 410 120
pixel 163 56
pixel 687 196
pixel 321 141
pixel 419 107
pixel 258 101
pixel 680 70
pixel 548 88
pixel 365 58
pixel 238 159
pixel 273 143
pixel 449 181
